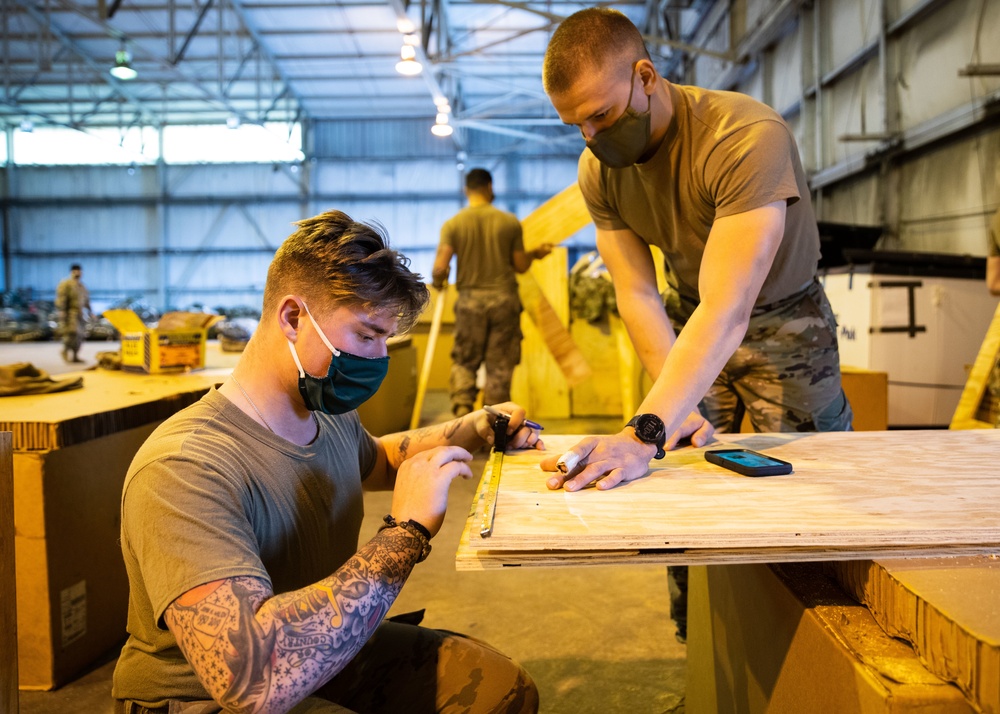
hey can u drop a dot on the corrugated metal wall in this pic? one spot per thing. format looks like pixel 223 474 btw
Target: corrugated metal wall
pixel 176 236
pixel 890 133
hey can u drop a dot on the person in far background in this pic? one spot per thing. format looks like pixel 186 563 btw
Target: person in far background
pixel 490 251
pixel 993 256
pixel 72 298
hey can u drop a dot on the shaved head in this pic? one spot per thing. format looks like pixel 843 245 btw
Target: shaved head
pixel 594 39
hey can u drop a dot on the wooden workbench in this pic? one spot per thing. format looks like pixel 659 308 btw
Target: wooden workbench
pixel 852 495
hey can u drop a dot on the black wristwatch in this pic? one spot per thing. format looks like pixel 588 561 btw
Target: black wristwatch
pixel 649 429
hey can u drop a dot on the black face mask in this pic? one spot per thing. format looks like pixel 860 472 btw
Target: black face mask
pixel 349 383
pixel 623 143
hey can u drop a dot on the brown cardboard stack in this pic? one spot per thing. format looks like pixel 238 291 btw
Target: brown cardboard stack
pixel 947 608
pixel 71 452
pixel 777 639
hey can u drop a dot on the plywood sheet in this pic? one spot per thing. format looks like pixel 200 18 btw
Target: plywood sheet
pixel 851 495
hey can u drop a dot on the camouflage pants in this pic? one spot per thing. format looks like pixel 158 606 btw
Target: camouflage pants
pixel 785 375
pixel 487 331
pixel 71 330
pixel 405 668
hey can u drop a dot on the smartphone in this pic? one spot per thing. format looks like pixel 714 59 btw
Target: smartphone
pixel 748 463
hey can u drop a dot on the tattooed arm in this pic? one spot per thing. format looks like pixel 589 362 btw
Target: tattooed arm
pixel 470 432
pixel 259 652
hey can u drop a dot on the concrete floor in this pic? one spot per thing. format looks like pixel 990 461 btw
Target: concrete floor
pixel 596 639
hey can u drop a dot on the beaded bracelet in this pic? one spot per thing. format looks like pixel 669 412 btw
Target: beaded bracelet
pixel 415 529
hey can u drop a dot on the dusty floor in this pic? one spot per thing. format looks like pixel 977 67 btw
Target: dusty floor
pixel 596 640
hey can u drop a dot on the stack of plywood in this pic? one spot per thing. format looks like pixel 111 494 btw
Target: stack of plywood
pixel 851 495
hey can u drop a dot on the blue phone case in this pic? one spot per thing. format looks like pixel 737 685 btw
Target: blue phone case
pixel 748 463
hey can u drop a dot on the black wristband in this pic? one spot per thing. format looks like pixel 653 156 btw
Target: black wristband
pixel 417 530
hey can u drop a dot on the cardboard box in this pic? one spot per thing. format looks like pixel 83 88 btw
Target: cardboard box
pixel 390 409
pixel 946 608
pixel 8 599
pixel 176 344
pixel 71 452
pixel 72 590
pixel 776 639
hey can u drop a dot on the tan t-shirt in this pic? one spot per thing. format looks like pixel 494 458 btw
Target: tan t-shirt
pixel 212 494
pixel 724 153
pixel 484 239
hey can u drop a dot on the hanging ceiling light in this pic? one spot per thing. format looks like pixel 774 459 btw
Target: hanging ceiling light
pixel 123 68
pixel 441 126
pixel 408 64
pixel 233 121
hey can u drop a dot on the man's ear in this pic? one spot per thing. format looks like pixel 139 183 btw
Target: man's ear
pixel 289 315
pixel 647 75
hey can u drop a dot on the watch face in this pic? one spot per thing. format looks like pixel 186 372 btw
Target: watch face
pixel 649 428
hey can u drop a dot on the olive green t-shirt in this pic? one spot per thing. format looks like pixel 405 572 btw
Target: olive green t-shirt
pixel 724 153
pixel 484 239
pixel 994 248
pixel 212 494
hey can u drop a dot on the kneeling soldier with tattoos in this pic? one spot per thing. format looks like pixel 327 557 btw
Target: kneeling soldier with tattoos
pixel 241 514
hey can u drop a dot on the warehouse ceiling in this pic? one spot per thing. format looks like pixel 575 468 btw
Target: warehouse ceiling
pixel 256 61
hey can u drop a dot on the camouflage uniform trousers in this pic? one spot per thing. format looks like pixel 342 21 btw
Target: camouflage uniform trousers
pixel 785 376
pixel 406 668
pixel 72 329
pixel 487 331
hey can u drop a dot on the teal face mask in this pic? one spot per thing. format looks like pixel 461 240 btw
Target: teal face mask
pixel 349 383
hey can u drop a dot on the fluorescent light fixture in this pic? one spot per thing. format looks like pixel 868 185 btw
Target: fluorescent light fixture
pixel 123 68
pixel 233 121
pixel 412 40
pixel 442 118
pixel 442 130
pixel 406 26
pixel 440 100
pixel 408 64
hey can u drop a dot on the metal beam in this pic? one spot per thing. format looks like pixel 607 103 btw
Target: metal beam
pixel 266 53
pixel 118 87
pixel 651 39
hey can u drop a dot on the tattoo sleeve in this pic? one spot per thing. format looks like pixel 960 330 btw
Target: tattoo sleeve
pixel 259 652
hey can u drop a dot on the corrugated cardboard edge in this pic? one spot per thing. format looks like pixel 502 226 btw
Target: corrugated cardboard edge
pixel 48 436
pixel 947 648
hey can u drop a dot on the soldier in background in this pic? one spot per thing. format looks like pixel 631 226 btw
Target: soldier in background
pixel 490 250
pixel 72 298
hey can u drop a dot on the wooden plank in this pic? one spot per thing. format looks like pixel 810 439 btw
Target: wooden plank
pixel 922 492
pixel 977 408
pixel 425 368
pixel 559 218
pixel 8 598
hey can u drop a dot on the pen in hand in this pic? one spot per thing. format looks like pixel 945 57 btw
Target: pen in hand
pixel 496 412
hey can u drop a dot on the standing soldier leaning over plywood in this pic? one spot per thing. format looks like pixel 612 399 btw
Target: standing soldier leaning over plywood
pixel 490 250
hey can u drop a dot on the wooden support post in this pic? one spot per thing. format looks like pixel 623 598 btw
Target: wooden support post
pixel 425 367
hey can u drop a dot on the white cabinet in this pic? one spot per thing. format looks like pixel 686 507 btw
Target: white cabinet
pixel 924 332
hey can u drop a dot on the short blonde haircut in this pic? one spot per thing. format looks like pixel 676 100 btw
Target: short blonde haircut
pixel 333 260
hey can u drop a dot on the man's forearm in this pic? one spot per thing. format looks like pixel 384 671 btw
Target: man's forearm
pixel 700 353
pixel 457 432
pixel 269 660
pixel 649 330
